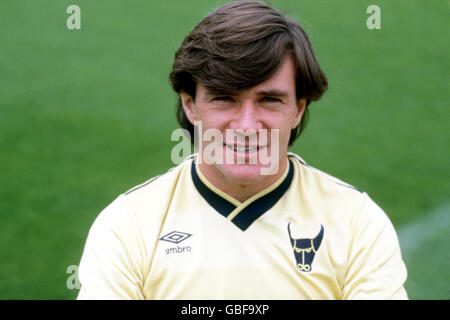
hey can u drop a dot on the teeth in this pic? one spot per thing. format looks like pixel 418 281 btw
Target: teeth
pixel 243 148
pixel 240 149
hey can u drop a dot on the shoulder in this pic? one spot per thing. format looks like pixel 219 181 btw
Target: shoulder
pixel 315 175
pixel 160 180
pixel 328 193
pixel 342 201
pixel 365 218
pixel 157 191
pixel 144 204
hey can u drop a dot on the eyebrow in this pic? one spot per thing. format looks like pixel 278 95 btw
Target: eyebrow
pixel 214 92
pixel 273 93
pixel 270 92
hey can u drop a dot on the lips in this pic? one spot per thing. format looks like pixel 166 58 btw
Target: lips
pixel 240 148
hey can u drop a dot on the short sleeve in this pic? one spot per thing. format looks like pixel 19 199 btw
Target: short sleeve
pixel 375 266
pixel 110 264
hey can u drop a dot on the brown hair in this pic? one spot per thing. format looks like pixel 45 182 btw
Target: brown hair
pixel 241 45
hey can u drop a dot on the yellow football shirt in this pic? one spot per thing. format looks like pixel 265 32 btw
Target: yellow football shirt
pixel 308 236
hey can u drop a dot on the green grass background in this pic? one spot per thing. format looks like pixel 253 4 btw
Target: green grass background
pixel 87 114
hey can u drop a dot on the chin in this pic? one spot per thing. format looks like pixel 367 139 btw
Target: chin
pixel 242 173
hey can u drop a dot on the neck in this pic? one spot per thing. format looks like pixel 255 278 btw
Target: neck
pixel 240 189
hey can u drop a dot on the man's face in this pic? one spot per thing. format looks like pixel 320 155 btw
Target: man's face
pixel 271 106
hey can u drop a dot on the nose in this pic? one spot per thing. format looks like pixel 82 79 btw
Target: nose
pixel 247 117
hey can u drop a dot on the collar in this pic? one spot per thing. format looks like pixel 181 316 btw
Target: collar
pixel 242 214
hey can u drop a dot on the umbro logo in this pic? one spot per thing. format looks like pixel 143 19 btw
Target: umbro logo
pixel 176 237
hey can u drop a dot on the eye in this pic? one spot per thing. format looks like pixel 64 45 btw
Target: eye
pixel 270 99
pixel 223 98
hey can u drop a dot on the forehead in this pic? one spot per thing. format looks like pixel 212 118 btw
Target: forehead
pixel 282 80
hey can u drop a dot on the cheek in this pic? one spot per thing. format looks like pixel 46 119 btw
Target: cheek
pixel 214 117
pixel 211 120
pixel 292 120
pixel 284 127
pixel 286 135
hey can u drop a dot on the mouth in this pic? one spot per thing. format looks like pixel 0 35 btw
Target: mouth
pixel 241 148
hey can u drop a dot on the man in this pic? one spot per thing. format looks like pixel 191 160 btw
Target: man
pixel 224 228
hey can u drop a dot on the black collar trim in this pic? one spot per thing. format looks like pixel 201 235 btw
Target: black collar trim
pixel 252 211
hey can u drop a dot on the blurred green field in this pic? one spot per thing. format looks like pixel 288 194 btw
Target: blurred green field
pixel 87 114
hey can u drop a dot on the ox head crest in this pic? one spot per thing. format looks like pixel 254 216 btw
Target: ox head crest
pixel 305 249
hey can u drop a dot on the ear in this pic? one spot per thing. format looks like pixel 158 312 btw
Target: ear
pixel 188 106
pixel 301 106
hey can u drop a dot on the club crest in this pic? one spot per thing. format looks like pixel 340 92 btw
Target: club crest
pixel 305 249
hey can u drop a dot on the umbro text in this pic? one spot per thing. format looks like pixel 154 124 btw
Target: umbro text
pixel 178 249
